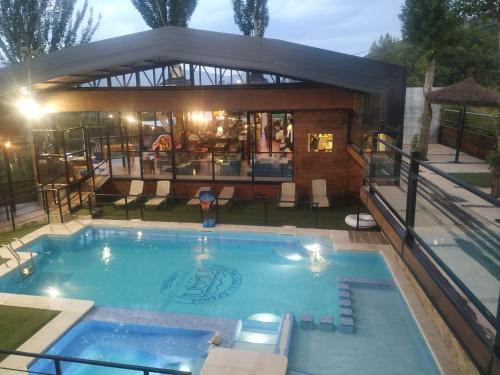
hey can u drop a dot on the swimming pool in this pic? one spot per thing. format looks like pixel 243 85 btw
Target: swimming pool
pixel 152 346
pixel 236 275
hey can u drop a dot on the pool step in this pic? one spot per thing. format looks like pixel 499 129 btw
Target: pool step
pixel 263 336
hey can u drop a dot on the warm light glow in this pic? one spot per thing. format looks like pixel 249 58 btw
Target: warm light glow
pixel 130 119
pixel 199 117
pixel 110 116
pixel 29 108
pixel 8 144
pixel 53 292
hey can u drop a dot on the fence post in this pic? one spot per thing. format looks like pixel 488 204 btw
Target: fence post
pixel 57 367
pixel 316 213
pixel 496 347
pixel 411 195
pixel 460 134
pixel 371 168
pixel 12 218
pixel 68 197
pixel 45 200
pixel 142 209
pixel 90 206
pixel 59 204
pixel 80 194
pixel 126 207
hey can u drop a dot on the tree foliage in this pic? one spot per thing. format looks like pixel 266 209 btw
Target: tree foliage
pixel 159 13
pixel 251 16
pixel 33 27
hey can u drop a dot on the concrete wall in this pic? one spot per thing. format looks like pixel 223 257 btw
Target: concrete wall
pixel 413 111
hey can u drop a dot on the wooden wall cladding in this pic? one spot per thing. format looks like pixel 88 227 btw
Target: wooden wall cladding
pixel 199 99
pixel 473 144
pixel 343 175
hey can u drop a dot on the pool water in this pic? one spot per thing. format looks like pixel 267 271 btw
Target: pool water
pixel 235 275
pixel 152 346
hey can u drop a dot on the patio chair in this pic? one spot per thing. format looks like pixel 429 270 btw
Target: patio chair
pixel 162 193
pixel 135 191
pixel 319 194
pixel 226 195
pixel 196 199
pixel 287 196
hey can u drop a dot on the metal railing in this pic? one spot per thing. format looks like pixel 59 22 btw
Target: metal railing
pixel 426 207
pixel 136 209
pixel 474 122
pixel 58 360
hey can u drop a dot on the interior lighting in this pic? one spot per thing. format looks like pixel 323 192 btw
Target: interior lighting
pixel 8 144
pixel 199 117
pixel 130 119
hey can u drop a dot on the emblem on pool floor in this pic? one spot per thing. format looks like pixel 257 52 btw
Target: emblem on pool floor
pixel 200 284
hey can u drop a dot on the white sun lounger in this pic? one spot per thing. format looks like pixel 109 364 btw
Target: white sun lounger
pixel 319 194
pixel 136 187
pixel 196 199
pixel 226 195
pixel 162 193
pixel 287 197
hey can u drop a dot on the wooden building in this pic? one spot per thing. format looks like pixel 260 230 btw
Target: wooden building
pixel 199 108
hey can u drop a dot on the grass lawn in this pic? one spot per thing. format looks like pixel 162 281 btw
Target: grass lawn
pixel 18 324
pixel 7 237
pixel 474 179
pixel 241 212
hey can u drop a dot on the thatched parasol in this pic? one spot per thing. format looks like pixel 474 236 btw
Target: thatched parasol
pixel 465 93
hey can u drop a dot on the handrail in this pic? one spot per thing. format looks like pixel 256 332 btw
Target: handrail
pixel 29 251
pixel 57 359
pixel 487 197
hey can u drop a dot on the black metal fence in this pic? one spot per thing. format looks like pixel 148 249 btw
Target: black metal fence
pixel 59 360
pixel 442 213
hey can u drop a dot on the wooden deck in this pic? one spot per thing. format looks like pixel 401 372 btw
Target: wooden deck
pixel 368 237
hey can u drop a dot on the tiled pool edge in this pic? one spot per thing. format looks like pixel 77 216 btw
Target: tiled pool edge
pixel 417 302
pixel 71 311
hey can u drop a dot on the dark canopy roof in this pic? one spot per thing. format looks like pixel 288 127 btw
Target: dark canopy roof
pixel 82 63
pixel 466 93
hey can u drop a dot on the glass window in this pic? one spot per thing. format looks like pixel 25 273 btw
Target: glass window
pixel 320 142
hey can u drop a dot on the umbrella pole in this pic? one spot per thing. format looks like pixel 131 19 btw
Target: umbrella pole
pixel 460 133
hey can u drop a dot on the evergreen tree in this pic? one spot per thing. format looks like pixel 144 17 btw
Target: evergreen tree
pixel 159 13
pixel 33 27
pixel 431 26
pixel 483 9
pixel 251 16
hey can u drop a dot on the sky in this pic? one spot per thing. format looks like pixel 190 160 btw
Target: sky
pixel 348 26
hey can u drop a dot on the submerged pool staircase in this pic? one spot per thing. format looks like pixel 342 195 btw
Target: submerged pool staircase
pixel 24 271
pixel 270 334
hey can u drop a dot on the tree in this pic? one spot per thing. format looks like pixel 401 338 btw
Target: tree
pixel 33 27
pixel 159 13
pixel 485 9
pixel 431 26
pixel 251 16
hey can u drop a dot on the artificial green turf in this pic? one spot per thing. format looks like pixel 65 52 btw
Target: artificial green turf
pixel 7 237
pixel 474 179
pixel 240 212
pixel 18 324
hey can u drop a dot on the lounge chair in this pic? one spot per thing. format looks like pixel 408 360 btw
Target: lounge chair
pixel 287 197
pixel 135 191
pixel 319 194
pixel 162 192
pixel 225 195
pixel 196 199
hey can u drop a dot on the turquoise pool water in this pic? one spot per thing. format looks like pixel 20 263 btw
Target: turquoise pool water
pixel 159 347
pixel 235 275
